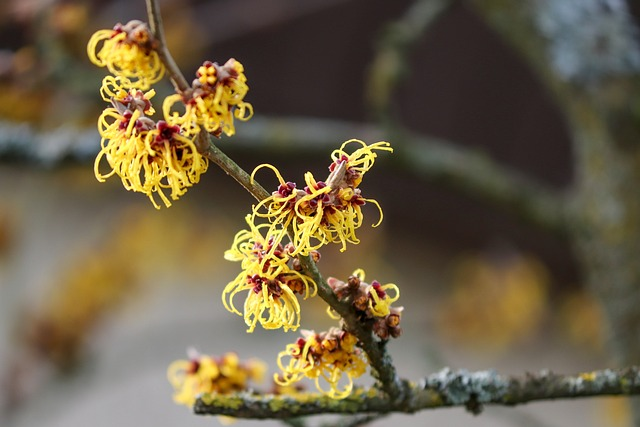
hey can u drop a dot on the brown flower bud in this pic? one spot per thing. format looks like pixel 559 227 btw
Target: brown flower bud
pixel 315 256
pixel 393 320
pixel 354 282
pixel 395 332
pixel 329 344
pixel 381 330
pixel 361 302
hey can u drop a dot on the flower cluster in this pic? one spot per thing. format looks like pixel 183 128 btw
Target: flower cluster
pixel 323 212
pixel 149 157
pixel 127 51
pixel 159 157
pixel 330 356
pixel 206 374
pixel 270 277
pixel 217 97
pixel 371 301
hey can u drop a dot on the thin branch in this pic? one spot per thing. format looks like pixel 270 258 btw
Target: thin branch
pixel 443 389
pixel 155 22
pixel 205 146
pixel 216 155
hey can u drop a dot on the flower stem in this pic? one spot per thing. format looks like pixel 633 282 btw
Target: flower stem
pixel 214 154
pixel 155 22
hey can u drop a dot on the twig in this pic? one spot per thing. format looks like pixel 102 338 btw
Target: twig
pixel 214 154
pixel 459 167
pixel 155 22
pixel 443 389
pixel 205 146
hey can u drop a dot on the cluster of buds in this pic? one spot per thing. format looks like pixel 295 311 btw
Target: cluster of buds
pixel 271 277
pixel 372 302
pixel 329 356
pixel 209 374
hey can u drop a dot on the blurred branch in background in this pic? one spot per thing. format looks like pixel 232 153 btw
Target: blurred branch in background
pixel 431 159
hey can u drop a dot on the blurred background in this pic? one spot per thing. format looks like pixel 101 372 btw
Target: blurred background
pixel 99 292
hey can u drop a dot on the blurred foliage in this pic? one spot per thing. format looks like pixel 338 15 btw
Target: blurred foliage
pixel 494 301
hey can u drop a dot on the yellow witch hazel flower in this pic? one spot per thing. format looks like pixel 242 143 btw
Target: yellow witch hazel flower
pixel 149 157
pixel 331 356
pixel 127 51
pixel 324 211
pixel 270 283
pixel 379 300
pixel 207 374
pixel 216 99
pixel 371 301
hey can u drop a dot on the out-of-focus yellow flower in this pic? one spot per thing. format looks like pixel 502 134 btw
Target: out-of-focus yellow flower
pixel 88 291
pixel 495 302
pixel 206 374
pixel 330 356
pixel 325 211
pixel 580 318
pixel 217 98
pixel 127 51
pixel 270 283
